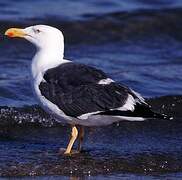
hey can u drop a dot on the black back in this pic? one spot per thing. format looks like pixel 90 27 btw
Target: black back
pixel 74 89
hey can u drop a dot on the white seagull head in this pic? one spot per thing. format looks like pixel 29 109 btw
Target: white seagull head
pixel 42 36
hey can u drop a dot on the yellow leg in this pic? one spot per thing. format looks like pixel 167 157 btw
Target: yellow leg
pixel 74 135
pixel 81 135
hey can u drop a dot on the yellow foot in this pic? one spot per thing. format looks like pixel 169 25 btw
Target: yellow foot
pixel 71 153
pixel 62 151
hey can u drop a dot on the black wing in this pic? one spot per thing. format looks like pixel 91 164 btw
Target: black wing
pixel 75 90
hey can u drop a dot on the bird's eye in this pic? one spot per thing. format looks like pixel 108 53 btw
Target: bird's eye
pixel 37 31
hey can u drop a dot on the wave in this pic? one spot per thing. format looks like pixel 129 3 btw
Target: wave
pixel 113 26
pixel 25 116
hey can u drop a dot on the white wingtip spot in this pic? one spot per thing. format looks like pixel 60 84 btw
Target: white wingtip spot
pixel 105 81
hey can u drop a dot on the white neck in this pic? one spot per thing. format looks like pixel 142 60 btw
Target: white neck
pixel 45 59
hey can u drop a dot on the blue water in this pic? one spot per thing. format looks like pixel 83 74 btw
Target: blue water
pixel 137 43
pixel 73 10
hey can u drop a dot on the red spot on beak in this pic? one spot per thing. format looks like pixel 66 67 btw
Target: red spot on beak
pixel 10 34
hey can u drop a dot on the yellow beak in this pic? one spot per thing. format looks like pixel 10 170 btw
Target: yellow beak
pixel 15 32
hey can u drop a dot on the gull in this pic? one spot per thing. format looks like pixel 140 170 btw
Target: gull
pixel 75 93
